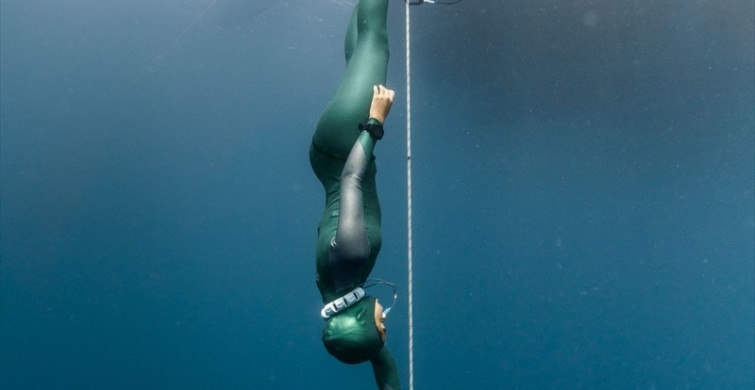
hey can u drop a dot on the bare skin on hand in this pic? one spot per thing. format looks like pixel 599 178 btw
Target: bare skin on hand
pixel 382 100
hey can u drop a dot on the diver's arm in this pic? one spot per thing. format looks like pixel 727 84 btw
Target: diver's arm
pixel 351 247
pixel 386 373
pixel 351 235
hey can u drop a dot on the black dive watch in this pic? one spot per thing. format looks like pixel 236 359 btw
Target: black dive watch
pixel 374 127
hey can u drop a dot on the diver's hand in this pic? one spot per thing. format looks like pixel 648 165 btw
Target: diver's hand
pixel 382 99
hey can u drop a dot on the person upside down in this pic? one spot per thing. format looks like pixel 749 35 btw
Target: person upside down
pixel 348 235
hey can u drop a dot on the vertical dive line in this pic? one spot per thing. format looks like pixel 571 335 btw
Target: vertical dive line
pixel 409 196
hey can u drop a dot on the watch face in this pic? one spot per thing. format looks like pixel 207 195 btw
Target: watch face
pixel 377 131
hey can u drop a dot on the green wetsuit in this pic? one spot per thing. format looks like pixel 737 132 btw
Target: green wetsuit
pixel 348 239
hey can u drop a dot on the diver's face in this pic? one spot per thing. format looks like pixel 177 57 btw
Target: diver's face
pixel 380 321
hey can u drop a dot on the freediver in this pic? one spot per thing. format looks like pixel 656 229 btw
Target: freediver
pixel 348 236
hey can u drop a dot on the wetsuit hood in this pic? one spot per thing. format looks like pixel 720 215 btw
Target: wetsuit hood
pixel 351 336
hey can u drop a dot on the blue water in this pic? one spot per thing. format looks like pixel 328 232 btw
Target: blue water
pixel 584 180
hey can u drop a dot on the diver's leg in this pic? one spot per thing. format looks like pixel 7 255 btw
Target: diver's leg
pixel 337 128
pixel 350 42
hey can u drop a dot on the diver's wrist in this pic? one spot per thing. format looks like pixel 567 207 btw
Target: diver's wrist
pixel 374 127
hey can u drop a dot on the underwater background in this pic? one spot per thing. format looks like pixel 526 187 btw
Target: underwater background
pixel 584 180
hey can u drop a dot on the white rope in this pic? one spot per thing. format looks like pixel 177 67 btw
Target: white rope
pixel 409 197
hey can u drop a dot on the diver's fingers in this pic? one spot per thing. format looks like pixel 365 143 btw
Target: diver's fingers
pixel 380 91
pixel 391 93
